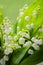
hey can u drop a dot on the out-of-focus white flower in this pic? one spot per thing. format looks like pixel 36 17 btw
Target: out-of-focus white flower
pixel 15 38
pixel 7 51
pixel 8 30
pixel 40 30
pixel 8 39
pixel 28 43
pixel 21 13
pixel 34 14
pixel 35 46
pixel 21 41
pixel 17 46
pixel 27 18
pixel 4 36
pixel 37 41
pixel 30 26
pixel 2 62
pixel 6 58
pixel 40 42
pixel 26 35
pixel 33 39
pixel 30 51
pixel 25 6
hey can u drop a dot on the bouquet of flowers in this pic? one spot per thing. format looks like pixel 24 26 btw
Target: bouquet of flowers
pixel 22 43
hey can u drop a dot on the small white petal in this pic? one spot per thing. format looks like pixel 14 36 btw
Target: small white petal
pixel 34 13
pixel 35 46
pixel 37 41
pixel 21 14
pixel 32 25
pixel 25 35
pixel 17 46
pixel 25 6
pixel 30 51
pixel 28 26
pixel 27 18
pixel 7 51
pixel 28 43
pixel 6 58
pixel 33 39
pixel 21 41
pixel 2 62
pixel 40 42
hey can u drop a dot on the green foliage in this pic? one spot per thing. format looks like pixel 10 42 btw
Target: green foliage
pixel 34 59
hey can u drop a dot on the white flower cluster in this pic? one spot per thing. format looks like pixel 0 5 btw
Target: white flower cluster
pixel 10 43
pixel 26 40
pixel 37 41
pixel 22 13
pixel 3 60
pixel 7 26
pixel 30 26
pixel 28 43
pixel 7 51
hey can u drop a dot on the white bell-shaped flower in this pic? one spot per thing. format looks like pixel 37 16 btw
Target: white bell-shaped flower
pixel 28 43
pixel 35 46
pixel 7 51
pixel 30 51
pixel 21 41
pixel 27 18
pixel 6 58
pixel 26 35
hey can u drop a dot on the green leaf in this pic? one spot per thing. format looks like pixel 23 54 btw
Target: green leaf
pixel 15 27
pixel 38 21
pixel 18 55
pixel 34 59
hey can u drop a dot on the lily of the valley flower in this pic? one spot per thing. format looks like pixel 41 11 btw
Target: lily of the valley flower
pixel 30 51
pixel 21 41
pixel 7 51
pixel 27 18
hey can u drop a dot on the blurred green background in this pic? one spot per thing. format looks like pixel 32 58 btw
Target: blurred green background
pixel 11 7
